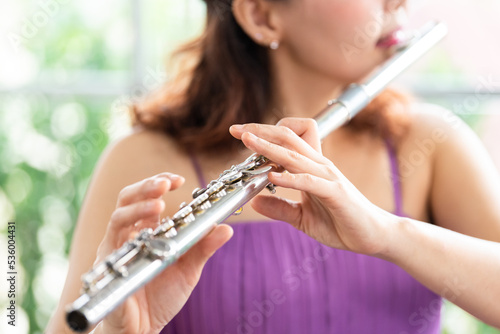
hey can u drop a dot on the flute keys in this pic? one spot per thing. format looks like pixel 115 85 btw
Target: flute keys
pixel 272 188
pixel 167 222
pixel 231 176
pixel 122 271
pixel 249 163
pixel 171 233
pixel 184 212
pixel 199 201
pixel 216 190
pixel 215 187
pixel 221 193
pixel 161 247
pixel 205 205
pixel 258 170
pixel 198 191
pixel 87 282
pixel 165 225
pixel 143 235
pixel 260 160
pixel 189 218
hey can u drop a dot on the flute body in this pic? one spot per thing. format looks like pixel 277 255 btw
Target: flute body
pixel 138 261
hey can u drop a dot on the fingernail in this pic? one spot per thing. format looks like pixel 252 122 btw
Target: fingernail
pixel 237 127
pixel 276 175
pixel 175 177
pixel 180 178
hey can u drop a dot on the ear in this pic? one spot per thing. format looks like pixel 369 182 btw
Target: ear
pixel 259 19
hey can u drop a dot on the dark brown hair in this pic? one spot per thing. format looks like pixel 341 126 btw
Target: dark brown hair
pixel 223 78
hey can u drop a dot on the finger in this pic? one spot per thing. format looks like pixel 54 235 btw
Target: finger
pixel 291 160
pixel 282 136
pixel 126 233
pixel 197 256
pixel 127 216
pixel 148 222
pixel 152 187
pixel 305 128
pixel 314 185
pixel 278 208
pixel 126 221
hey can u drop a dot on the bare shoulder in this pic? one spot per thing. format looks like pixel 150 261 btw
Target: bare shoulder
pixel 138 156
pixel 424 153
pixel 143 152
pixel 434 121
pixel 465 184
pixel 450 134
pixel 434 128
pixel 444 153
pixel 141 155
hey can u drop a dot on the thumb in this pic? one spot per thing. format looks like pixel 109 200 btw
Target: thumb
pixel 278 208
pixel 205 248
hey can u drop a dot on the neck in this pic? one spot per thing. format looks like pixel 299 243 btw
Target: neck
pixel 300 91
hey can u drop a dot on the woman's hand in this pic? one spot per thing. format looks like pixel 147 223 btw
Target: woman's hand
pixel 153 306
pixel 332 210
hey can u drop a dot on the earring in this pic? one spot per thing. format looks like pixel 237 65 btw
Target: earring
pixel 274 45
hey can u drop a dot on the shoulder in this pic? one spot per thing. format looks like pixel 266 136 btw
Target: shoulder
pixel 441 160
pixel 465 184
pixel 135 157
pixel 140 143
pixel 444 133
pixel 141 154
pixel 435 122
pixel 440 138
pixel 434 129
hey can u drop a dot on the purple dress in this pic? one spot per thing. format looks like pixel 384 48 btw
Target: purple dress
pixel 270 278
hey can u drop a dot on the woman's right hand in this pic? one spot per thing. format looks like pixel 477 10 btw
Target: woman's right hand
pixel 154 305
pixel 331 209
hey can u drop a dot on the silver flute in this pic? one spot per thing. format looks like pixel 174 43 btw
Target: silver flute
pixel 138 261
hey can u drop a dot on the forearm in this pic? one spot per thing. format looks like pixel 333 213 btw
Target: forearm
pixel 462 269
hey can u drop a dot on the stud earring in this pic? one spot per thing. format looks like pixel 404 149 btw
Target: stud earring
pixel 274 45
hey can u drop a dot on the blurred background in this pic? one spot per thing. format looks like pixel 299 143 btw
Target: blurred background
pixel 69 69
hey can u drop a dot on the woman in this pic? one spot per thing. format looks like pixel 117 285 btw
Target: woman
pixel 259 61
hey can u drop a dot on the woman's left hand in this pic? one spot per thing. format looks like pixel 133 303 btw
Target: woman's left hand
pixel 331 210
pixel 150 308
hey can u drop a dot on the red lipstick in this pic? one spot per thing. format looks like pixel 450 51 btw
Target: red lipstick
pixel 395 37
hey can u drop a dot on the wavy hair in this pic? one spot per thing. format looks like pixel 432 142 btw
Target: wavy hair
pixel 223 78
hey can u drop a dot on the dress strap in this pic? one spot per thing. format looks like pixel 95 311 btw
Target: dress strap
pixel 396 182
pixel 199 173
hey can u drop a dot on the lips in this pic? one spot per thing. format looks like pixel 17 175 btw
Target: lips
pixel 396 37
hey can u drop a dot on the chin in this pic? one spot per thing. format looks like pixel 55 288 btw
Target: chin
pixel 356 76
pixel 357 72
